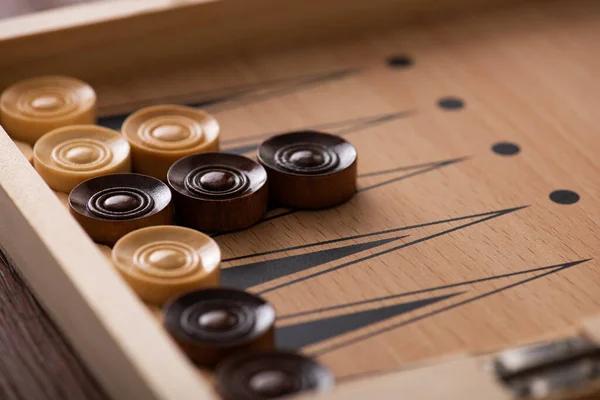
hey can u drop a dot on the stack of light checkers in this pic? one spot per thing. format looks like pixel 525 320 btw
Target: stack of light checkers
pixel 129 189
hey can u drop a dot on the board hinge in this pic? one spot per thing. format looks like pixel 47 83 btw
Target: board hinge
pixel 565 369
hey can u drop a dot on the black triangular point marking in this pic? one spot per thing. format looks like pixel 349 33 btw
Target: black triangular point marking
pixel 411 171
pixel 476 219
pixel 340 128
pixel 335 126
pixel 232 97
pixel 547 271
pixel 248 275
pixel 420 291
pixel 382 232
pixel 371 122
pixel 440 163
pixel 273 89
pixel 304 334
pixel 251 274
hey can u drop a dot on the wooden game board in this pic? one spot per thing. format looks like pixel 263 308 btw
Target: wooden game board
pixel 475 225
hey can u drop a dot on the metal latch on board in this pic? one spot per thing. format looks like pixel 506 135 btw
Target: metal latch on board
pixel 564 367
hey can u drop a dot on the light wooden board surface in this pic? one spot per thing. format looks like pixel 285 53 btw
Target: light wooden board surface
pixel 448 247
pixel 450 379
pixel 115 38
pixel 508 276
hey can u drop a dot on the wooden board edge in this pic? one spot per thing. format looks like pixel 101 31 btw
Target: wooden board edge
pixel 462 376
pixel 456 378
pixel 116 337
pixel 128 37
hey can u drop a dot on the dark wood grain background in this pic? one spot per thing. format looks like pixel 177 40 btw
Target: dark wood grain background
pixel 35 360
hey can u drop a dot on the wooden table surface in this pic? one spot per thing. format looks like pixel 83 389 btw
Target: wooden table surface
pixel 35 361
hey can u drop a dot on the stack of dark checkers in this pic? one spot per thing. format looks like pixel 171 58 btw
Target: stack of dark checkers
pixel 129 190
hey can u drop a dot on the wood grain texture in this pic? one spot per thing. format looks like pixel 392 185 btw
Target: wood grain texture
pixel 489 260
pixel 34 354
pixel 103 328
pixel 447 247
pixel 456 379
pixel 477 272
pixel 160 33
pixel 36 360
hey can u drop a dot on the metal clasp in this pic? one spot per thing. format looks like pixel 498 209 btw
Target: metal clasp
pixel 565 368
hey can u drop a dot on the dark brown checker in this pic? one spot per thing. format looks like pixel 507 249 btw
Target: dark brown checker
pixel 309 169
pixel 212 324
pixel 268 375
pixel 108 207
pixel 215 192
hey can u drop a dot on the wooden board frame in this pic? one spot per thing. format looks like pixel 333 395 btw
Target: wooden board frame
pixel 96 42
pixel 113 39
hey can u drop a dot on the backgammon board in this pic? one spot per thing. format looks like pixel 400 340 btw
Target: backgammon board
pixel 474 228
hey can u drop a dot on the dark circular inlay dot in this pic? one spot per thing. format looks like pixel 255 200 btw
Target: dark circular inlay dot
pixel 506 149
pixel 306 158
pixel 564 197
pixel 399 61
pixel 451 103
pixel 272 383
pixel 120 203
pixel 217 181
pixel 218 320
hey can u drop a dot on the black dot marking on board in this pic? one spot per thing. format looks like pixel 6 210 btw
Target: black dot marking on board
pixel 451 103
pixel 564 197
pixel 399 61
pixel 506 149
